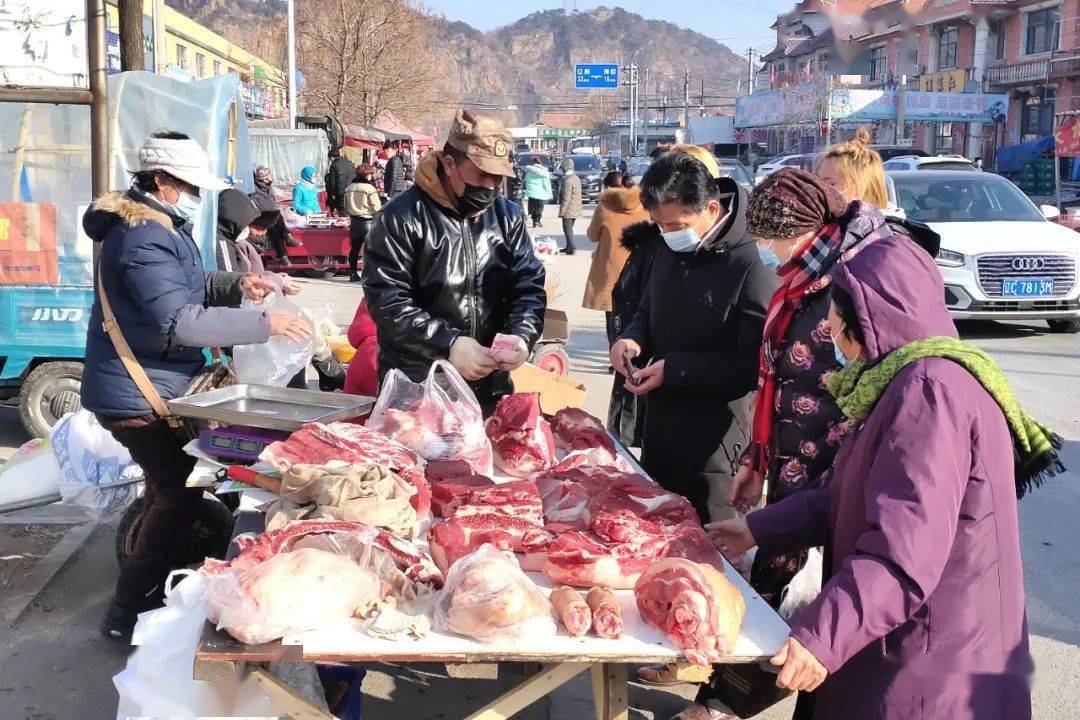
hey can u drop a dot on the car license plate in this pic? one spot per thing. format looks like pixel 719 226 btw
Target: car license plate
pixel 1027 287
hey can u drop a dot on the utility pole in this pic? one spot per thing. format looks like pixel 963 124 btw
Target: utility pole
pixel 632 85
pixel 686 98
pixel 750 71
pixel 291 40
pixel 157 21
pixel 899 135
pixel 645 115
pixel 130 14
pixel 701 108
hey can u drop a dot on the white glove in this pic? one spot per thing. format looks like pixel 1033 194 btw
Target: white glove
pixel 471 359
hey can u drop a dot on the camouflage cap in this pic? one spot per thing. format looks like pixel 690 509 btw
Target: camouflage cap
pixel 484 139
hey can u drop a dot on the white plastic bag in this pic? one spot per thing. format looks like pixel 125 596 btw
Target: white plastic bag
pixel 158 682
pixel 440 418
pixel 489 598
pixel 276 361
pixel 32 473
pixel 96 471
pixel 803 588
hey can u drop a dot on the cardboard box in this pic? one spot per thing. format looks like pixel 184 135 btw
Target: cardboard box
pixel 556 392
pixel 28 244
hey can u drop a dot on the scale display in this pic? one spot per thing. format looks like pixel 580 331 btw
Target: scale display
pixel 233 443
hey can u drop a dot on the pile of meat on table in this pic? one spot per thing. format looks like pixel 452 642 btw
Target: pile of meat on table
pixel 574 510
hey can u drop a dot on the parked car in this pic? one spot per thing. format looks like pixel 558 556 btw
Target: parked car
pixel 637 170
pixel 770 166
pixel 1001 256
pixel 888 152
pixel 734 169
pixel 589 168
pixel 524 159
pixel 932 162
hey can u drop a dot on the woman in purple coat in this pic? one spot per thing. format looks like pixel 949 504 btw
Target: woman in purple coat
pixel 922 612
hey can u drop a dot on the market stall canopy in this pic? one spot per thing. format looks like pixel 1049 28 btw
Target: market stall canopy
pixel 286 152
pixel 390 124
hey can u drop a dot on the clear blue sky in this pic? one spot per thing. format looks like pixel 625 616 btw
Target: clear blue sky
pixel 739 24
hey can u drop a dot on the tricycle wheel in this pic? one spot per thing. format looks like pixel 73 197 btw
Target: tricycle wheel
pixel 209 537
pixel 50 391
pixel 551 358
pixel 323 267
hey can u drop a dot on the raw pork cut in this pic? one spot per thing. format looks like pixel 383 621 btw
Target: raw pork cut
pixel 318 444
pixel 649 501
pixel 345 535
pixel 436 470
pixel 518 499
pixel 288 593
pixel 576 429
pixel 606 613
pixel 453 539
pixel 695 605
pixel 445 493
pixel 593 457
pixel 572 610
pixel 688 540
pixel 535 543
pixel 505 348
pixel 521 436
pixel 489 598
pixel 619 548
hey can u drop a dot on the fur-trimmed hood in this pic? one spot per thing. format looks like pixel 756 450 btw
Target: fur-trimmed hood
pixel 642 232
pixel 130 208
pixel 621 200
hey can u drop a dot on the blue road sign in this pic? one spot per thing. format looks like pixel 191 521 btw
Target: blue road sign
pixel 596 76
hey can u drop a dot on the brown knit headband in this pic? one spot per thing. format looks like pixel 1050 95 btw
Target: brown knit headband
pixel 791 202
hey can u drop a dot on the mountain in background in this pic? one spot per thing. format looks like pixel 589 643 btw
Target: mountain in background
pixel 530 63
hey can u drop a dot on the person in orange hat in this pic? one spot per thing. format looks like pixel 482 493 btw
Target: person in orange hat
pixel 449 264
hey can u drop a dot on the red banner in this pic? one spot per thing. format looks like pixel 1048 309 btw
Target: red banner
pixel 28 244
pixel 1067 137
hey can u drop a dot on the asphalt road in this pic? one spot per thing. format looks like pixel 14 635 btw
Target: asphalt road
pixel 54 666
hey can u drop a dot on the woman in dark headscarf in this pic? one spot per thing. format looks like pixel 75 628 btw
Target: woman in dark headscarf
pixel 804 229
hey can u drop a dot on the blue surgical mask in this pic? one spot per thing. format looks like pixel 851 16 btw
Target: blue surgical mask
pixel 771 259
pixel 683 240
pixel 840 357
pixel 187 206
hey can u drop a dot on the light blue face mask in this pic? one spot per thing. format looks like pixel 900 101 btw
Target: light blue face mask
pixel 187 206
pixel 769 258
pixel 840 357
pixel 682 240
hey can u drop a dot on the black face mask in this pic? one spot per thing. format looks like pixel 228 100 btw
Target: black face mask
pixel 476 199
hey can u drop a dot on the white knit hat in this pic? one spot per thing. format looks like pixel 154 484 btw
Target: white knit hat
pixel 183 159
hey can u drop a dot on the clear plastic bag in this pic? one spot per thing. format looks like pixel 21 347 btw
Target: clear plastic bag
pixel 488 597
pixel 276 361
pixel 440 418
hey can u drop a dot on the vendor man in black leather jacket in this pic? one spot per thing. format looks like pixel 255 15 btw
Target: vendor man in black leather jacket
pixel 448 264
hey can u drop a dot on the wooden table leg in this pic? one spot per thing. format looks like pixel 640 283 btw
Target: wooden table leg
pixel 529 691
pixel 611 694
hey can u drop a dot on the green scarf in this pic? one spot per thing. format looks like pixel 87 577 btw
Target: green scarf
pixel 857 389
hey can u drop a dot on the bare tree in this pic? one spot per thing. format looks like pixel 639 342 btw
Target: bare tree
pixel 131 36
pixel 361 57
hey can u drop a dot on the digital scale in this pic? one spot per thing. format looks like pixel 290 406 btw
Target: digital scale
pixel 238 443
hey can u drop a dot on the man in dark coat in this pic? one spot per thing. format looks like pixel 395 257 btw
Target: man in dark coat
pixel 448 264
pixel 700 323
pixel 339 176
pixel 394 177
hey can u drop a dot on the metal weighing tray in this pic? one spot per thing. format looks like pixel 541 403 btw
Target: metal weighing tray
pixel 271 408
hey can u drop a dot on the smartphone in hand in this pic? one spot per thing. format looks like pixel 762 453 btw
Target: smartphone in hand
pixel 630 369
